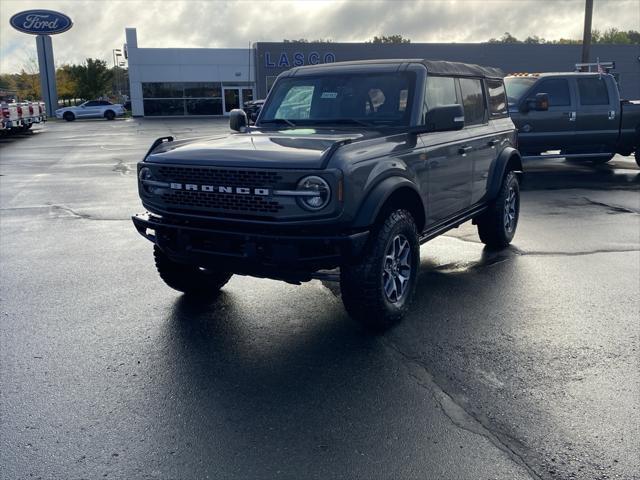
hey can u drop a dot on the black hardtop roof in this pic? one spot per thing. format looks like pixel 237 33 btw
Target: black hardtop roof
pixel 436 67
pixel 556 74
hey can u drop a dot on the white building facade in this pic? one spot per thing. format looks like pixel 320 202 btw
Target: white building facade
pixel 169 82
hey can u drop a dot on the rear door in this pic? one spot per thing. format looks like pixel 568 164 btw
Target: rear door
pixel 597 117
pixel 478 146
pixel 553 129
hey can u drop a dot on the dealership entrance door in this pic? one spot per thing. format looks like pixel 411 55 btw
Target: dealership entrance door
pixel 235 97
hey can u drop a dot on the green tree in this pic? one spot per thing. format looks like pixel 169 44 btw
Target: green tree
pixel 66 83
pixel 389 39
pixel 505 38
pixel 93 78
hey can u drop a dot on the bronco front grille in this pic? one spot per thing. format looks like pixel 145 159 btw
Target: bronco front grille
pixel 230 178
pixel 221 201
pixel 226 202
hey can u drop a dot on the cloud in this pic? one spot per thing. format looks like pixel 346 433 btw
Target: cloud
pixel 99 25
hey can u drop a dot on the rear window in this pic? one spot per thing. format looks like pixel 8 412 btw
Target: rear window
pixel 497 98
pixel 472 101
pixel 593 91
pixel 557 89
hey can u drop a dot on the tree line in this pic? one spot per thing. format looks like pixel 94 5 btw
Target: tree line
pixel 88 80
pixel 610 36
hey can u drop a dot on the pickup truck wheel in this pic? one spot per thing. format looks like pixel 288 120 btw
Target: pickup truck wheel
pixel 378 290
pixel 190 279
pixel 497 225
pixel 109 115
pixel 69 116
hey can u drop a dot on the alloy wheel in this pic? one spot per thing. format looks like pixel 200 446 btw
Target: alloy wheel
pixel 396 270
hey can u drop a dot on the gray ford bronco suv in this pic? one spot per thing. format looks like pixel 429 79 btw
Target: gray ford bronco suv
pixel 349 165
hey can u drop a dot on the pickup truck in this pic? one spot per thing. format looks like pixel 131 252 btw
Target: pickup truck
pixel 91 109
pixel 10 118
pixel 349 165
pixel 32 113
pixel 579 114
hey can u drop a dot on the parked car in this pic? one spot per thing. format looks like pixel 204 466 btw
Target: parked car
pixel 385 155
pixel 91 109
pixel 252 108
pixel 580 114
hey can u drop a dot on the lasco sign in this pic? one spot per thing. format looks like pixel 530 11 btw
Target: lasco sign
pixel 41 22
pixel 297 59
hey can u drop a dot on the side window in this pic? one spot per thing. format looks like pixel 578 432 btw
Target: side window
pixel 593 91
pixel 472 101
pixel 91 104
pixel 556 88
pixel 497 98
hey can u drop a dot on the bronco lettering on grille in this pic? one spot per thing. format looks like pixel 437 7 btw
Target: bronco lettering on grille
pixel 219 189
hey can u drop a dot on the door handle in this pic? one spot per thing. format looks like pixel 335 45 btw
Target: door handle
pixel 571 115
pixel 464 150
pixel 493 143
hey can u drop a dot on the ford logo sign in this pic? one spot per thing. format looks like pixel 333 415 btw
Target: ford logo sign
pixel 41 22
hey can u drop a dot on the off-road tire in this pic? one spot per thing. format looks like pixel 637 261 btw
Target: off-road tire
pixel 493 227
pixel 362 284
pixel 189 279
pixel 109 115
pixel 69 116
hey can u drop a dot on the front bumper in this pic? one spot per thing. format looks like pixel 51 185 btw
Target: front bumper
pixel 283 253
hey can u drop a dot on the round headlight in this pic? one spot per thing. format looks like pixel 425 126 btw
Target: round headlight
pixel 317 193
pixel 146 174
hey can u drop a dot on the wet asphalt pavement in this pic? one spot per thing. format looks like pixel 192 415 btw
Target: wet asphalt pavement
pixel 518 364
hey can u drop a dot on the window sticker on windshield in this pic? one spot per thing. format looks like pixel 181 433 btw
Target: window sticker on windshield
pixel 329 95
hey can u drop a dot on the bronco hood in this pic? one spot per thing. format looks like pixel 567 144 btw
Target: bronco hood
pixel 295 148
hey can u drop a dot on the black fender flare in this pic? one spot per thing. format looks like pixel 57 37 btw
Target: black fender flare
pixel 378 195
pixel 499 168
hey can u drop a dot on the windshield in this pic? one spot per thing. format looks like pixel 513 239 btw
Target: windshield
pixel 517 86
pixel 359 99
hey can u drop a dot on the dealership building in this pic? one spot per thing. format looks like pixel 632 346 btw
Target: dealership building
pixel 213 81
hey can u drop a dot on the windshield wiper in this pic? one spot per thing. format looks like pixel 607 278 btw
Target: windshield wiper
pixel 345 121
pixel 278 120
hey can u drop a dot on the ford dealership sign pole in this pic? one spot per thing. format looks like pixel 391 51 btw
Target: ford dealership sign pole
pixel 44 23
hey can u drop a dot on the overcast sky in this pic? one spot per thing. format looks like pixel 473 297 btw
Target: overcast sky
pixel 99 24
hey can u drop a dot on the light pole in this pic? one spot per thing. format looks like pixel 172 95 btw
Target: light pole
pixel 586 37
pixel 116 53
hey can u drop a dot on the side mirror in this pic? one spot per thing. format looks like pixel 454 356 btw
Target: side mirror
pixel 539 103
pixel 238 119
pixel 442 119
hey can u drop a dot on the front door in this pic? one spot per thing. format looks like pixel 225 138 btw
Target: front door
pixel 235 97
pixel 553 129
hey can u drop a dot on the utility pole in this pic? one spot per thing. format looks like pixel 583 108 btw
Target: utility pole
pixel 586 38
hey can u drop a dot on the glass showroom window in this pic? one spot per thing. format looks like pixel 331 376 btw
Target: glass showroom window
pixel 180 99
